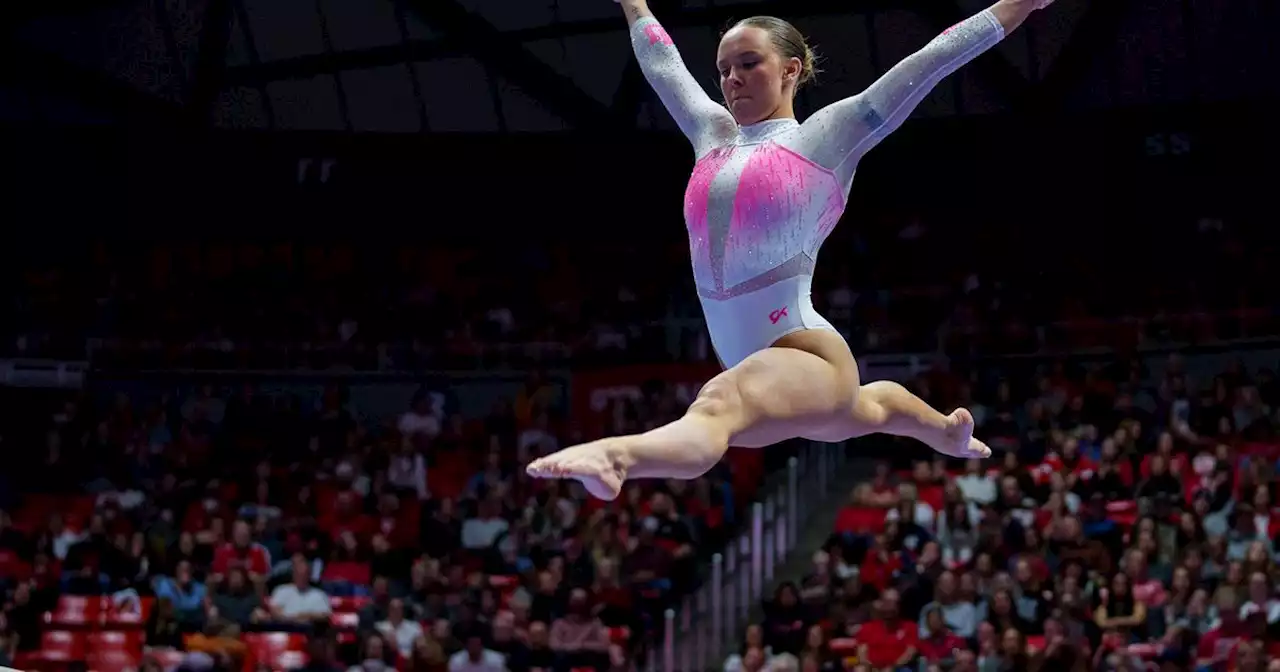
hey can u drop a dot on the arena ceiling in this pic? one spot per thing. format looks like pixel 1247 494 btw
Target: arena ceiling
pixel 406 66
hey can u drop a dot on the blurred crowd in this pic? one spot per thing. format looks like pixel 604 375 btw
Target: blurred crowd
pixel 229 530
pixel 1122 525
pixel 413 306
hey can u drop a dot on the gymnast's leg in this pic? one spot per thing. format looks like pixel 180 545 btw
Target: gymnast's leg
pixel 773 395
pixel 885 407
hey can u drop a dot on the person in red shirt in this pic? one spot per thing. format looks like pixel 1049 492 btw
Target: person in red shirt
pixel 241 552
pixel 889 642
pixel 940 644
pixel 881 565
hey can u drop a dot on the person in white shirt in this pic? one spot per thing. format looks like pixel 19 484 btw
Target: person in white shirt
pixel 976 484
pixel 480 531
pixel 422 418
pixel 398 630
pixel 476 658
pixel 407 470
pixel 299 601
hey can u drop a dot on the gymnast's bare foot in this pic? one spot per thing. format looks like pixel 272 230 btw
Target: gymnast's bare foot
pixel 592 464
pixel 958 438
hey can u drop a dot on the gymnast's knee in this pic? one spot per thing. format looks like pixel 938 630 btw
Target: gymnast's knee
pixel 869 411
pixel 718 401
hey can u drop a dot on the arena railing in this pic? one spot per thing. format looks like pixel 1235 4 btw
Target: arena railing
pixel 695 633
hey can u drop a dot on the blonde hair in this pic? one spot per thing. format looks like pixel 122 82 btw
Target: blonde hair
pixel 789 42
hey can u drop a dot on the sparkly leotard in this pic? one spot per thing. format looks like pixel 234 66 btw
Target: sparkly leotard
pixel 763 197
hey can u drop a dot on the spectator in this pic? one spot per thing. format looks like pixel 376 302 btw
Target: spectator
pixel 482 530
pixel 298 603
pixel 185 595
pixel 241 552
pixel 164 630
pixel 236 601
pixel 422 418
pixel 753 640
pixel 476 658
pixel 579 638
pixel 958 616
pixel 399 631
pixel 786 621
pixel 376 656
pixel 888 641
pixel 939 643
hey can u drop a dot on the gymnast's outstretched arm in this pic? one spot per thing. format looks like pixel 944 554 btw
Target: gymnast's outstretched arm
pixel 706 123
pixel 838 135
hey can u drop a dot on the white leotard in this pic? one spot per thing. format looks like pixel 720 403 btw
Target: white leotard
pixel 762 198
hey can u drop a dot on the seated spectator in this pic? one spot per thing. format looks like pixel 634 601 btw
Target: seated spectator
pixel 482 530
pixel 958 615
pixel 1119 612
pixel 399 631
pixel 163 628
pixel 578 637
pixel 185 595
pixel 538 655
pixel 243 552
pixel 236 601
pixel 786 621
pixel 888 641
pixel 503 639
pixel 752 660
pixel 380 599
pixel 752 640
pixel 938 643
pixel 298 602
pixel 376 656
pixel 476 658
pixel 977 484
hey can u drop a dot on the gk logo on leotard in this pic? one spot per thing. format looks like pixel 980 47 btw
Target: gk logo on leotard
pixel 778 314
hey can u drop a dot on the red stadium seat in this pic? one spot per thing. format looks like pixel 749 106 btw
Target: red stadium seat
pixel 75 612
pixel 115 649
pixel 345 623
pixel 357 573
pixel 56 646
pixel 115 640
pixel 274 649
pixel 129 614
pixel 348 604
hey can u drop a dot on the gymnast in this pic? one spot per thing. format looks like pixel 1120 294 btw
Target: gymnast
pixel 765 192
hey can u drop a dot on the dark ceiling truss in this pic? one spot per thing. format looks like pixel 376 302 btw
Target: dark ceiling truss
pixel 33 69
pixel 1093 36
pixel 36 71
pixel 466 34
pixel 508 58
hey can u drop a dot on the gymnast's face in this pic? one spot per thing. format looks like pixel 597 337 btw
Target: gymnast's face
pixel 757 82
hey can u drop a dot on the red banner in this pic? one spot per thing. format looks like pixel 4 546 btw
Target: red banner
pixel 591 393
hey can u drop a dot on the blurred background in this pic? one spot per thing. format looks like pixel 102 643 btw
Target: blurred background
pixel 293 289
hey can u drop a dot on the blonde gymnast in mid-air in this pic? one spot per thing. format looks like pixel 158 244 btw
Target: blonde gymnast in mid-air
pixel 765 192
